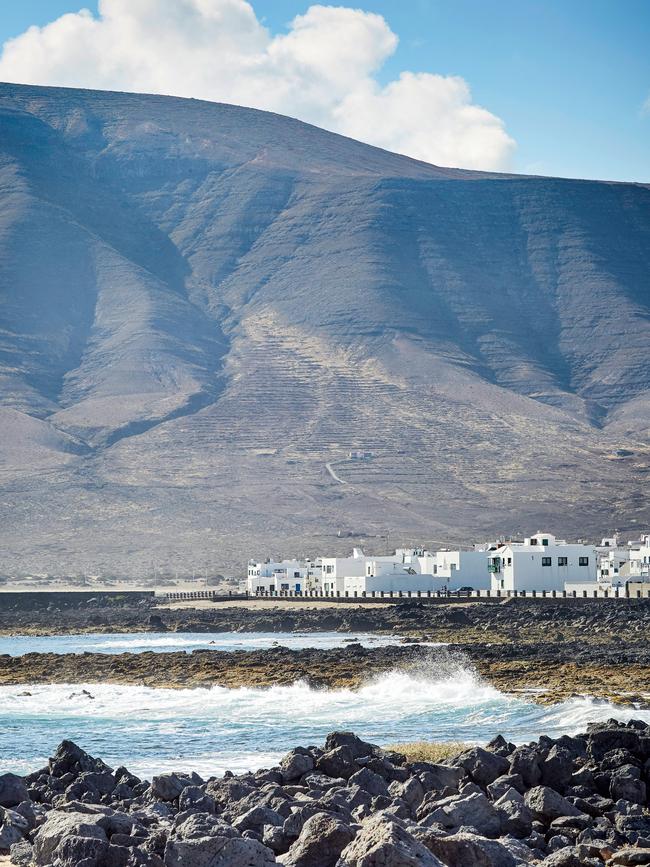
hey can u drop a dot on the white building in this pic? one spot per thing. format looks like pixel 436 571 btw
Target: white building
pixel 640 559
pixel 541 562
pixel 407 570
pixel 295 576
pixel 612 560
pixel 336 569
pixel 463 569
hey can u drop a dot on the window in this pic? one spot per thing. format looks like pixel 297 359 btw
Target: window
pixel 562 561
pixel 583 561
pixel 329 569
pixel 509 561
pixel 533 541
pixel 544 541
pixel 546 561
pixel 296 574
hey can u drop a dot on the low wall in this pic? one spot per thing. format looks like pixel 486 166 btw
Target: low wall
pixel 30 600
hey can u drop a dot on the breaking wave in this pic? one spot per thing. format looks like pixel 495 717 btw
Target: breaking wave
pixel 211 730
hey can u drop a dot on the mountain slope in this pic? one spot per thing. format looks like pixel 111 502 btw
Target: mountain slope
pixel 205 308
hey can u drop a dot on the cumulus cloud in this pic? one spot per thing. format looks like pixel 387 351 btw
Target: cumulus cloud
pixel 322 70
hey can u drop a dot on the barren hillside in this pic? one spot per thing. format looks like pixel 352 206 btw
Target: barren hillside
pixel 205 308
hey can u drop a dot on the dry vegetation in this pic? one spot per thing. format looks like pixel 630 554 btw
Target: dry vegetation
pixel 426 751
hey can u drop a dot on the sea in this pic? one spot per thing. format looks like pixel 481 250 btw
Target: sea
pixel 211 730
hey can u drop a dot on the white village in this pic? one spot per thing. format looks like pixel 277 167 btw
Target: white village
pixel 539 564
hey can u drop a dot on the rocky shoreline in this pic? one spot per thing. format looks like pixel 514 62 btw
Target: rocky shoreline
pixel 572 802
pixel 522 620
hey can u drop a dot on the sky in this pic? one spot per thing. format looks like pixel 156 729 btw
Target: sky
pixel 553 87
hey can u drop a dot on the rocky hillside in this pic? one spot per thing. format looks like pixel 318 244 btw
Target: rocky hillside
pixel 205 308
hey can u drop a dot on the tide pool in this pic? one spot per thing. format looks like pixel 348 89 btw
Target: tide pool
pixel 166 642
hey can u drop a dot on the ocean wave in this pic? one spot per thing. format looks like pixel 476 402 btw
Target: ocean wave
pixel 211 729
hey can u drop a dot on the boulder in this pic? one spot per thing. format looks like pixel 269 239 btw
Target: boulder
pixel 546 804
pixel 435 778
pixel 626 784
pixel 630 857
pixel 322 839
pixel 483 766
pixel 502 784
pixel 384 842
pixel 73 851
pixel 59 825
pixel 525 761
pixel 570 856
pixel 168 787
pixel 411 791
pixel 474 810
pixel 12 790
pixel 557 769
pixel 295 764
pixel 369 782
pixel 516 817
pixel 195 799
pixel 71 758
pixel 255 819
pixel 21 853
pixel 13 827
pixel 469 850
pixel 338 762
pixel 349 740
pixel 218 852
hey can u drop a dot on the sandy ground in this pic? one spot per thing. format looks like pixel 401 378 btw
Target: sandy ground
pixel 261 604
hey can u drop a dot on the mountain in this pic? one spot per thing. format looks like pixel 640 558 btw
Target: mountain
pixel 205 309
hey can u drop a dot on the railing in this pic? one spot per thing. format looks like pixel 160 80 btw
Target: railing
pixel 400 595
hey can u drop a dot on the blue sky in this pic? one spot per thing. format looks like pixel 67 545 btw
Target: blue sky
pixel 568 79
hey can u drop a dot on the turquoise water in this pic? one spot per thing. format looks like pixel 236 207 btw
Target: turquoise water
pixel 211 730
pixel 164 642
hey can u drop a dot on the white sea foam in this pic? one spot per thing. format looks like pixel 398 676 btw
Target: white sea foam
pixel 211 729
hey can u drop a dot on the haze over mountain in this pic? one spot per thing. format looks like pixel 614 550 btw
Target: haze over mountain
pixel 205 308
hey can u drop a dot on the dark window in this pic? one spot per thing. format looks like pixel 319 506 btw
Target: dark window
pixel 562 561
pixel 583 561
pixel 544 541
pixel 546 561
pixel 533 541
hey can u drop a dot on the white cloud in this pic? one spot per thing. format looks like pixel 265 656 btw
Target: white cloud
pixel 323 70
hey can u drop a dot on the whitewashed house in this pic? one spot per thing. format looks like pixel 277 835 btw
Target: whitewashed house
pixel 640 559
pixel 541 562
pixel 612 560
pixel 407 570
pixel 294 576
pixel 463 569
pixel 334 570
